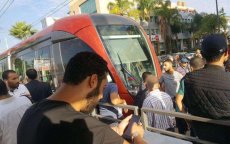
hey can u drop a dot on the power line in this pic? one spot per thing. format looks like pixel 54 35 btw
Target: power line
pixel 4 5
pixel 10 3
pixel 58 7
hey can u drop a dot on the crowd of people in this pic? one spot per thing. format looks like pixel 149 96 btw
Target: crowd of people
pixel 199 86
pixel 32 114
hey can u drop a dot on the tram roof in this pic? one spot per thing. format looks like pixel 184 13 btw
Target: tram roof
pixel 72 24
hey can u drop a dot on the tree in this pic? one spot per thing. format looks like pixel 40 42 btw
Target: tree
pixel 146 7
pixel 22 31
pixel 168 17
pixel 208 24
pixel 123 8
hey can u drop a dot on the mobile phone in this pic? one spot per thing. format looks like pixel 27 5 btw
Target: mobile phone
pixel 127 133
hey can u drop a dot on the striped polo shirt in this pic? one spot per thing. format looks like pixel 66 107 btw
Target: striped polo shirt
pixel 161 101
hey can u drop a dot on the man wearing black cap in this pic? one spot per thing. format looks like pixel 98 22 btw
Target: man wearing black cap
pixel 207 91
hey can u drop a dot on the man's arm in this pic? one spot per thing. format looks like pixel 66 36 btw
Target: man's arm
pixel 180 96
pixel 162 84
pixel 137 131
pixel 179 103
pixel 136 140
pixel 115 99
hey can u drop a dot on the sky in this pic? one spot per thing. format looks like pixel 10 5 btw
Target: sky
pixel 31 12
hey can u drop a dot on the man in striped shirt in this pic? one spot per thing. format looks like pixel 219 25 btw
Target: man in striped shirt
pixel 160 101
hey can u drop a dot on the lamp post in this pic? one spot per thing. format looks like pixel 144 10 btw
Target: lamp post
pixel 218 18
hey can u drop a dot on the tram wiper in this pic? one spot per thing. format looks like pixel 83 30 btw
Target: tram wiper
pixel 122 69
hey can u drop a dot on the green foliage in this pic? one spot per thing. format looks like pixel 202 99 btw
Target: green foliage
pixel 21 30
pixel 169 17
pixel 124 8
pixel 146 7
pixel 208 24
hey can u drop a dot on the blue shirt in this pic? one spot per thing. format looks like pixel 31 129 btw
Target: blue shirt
pixel 108 110
pixel 110 88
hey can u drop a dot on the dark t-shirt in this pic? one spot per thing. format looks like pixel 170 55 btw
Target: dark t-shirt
pixel 38 90
pixel 56 122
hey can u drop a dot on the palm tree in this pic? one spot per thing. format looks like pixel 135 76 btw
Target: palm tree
pixel 123 8
pixel 21 30
pixel 146 7
pixel 167 18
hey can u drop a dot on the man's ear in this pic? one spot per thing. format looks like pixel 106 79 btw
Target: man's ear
pixel 6 82
pixel 226 56
pixel 93 81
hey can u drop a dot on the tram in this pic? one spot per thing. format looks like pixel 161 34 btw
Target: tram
pixel 119 40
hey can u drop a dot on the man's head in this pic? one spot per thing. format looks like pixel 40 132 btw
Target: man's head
pixel 214 48
pixel 184 61
pixel 90 68
pixel 168 65
pixel 152 83
pixel 31 74
pixel 196 63
pixel 145 75
pixel 3 88
pixel 11 79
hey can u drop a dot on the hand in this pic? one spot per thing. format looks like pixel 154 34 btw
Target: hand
pixel 123 124
pixel 125 110
pixel 137 128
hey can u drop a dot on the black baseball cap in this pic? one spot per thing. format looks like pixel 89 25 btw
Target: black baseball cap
pixel 214 45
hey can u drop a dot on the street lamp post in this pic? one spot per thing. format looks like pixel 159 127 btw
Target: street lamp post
pixel 218 18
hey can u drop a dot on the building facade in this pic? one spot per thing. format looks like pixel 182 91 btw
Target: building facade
pixel 89 6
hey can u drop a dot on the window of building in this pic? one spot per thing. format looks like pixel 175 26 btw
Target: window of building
pixel 88 7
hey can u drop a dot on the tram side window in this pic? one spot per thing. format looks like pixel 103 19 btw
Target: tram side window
pixel 27 63
pixel 3 66
pixel 22 61
pixel 28 60
pixel 43 64
pixel 71 47
pixel 18 65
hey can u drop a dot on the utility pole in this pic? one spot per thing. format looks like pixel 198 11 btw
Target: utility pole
pixel 218 18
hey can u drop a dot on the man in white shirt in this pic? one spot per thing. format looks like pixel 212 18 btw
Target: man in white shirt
pixel 11 111
pixel 11 79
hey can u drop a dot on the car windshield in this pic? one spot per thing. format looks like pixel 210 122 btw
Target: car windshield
pixel 129 52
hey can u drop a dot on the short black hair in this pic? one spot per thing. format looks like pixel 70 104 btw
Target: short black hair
pixel 216 58
pixel 6 73
pixel 145 74
pixel 82 65
pixel 3 88
pixel 31 74
pixel 197 62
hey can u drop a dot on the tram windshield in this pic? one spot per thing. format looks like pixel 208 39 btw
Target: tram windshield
pixel 129 52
